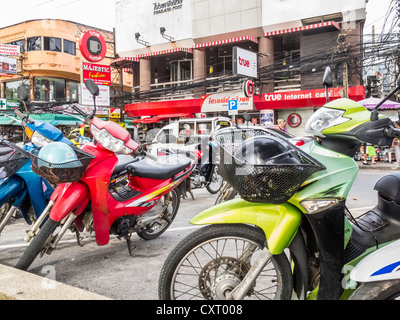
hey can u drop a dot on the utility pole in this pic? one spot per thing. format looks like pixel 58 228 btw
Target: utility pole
pixel 342 53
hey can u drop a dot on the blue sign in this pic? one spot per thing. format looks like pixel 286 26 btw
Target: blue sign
pixel 232 105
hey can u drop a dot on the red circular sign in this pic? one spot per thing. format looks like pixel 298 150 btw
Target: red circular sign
pixel 248 88
pixel 294 120
pixel 93 46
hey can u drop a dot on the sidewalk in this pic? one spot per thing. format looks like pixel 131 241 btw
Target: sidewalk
pixel 21 285
pixel 380 165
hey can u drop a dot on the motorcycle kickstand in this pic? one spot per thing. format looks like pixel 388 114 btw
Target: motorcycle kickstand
pixel 78 238
pixel 131 247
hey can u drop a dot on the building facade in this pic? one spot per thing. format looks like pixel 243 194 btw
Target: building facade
pixel 181 55
pixel 49 66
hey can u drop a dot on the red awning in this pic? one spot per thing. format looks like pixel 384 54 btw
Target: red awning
pixel 164 108
pixel 226 41
pixel 163 117
pixel 304 98
pixel 302 28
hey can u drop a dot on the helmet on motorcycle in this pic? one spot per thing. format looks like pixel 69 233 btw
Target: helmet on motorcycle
pixel 266 150
pixel 58 155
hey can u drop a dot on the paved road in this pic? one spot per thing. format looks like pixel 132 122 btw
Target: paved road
pixel 111 272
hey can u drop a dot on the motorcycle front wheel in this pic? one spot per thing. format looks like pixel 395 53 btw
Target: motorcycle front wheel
pixel 37 245
pixel 378 290
pixel 213 260
pixel 171 203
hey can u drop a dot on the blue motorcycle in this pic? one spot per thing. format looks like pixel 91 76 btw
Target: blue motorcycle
pixel 21 188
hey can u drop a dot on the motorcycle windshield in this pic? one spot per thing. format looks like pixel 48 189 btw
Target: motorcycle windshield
pixel 49 131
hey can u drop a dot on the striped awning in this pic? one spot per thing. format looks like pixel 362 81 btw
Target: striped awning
pixel 158 53
pixel 226 41
pixel 302 28
pixel 124 61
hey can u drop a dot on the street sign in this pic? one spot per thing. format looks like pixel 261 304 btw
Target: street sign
pixel 232 107
pixel 6 104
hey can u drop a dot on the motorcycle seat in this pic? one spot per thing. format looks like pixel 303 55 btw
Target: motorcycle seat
pixel 123 161
pixel 5 150
pixel 164 168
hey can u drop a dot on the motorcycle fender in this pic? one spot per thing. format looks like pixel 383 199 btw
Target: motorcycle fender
pixel 67 197
pixel 13 188
pixel 279 222
pixel 380 265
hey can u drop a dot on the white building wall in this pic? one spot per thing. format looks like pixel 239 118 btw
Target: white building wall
pixel 188 20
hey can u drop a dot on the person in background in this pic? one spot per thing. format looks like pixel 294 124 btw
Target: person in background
pixel 369 151
pixel 282 125
pixel 396 144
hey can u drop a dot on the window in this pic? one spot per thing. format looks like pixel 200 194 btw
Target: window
pixel 34 43
pixel 73 91
pixel 52 44
pixel 11 89
pixel 49 89
pixel 70 47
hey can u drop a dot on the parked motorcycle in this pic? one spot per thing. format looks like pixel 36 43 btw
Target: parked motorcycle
pixel 205 173
pixel 293 205
pixel 102 188
pixel 21 188
pixel 377 274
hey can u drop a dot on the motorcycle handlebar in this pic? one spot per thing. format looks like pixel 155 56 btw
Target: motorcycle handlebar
pixel 22 116
pixel 140 151
pixel 82 113
pixel 392 132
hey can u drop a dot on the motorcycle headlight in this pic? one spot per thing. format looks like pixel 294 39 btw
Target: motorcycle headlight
pixel 317 205
pixel 109 142
pixel 39 139
pixel 324 118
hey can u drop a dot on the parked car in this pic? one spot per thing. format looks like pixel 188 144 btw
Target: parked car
pixel 187 133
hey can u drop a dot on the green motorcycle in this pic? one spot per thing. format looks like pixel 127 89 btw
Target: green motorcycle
pixel 290 232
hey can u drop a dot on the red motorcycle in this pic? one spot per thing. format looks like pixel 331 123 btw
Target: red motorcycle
pixel 102 188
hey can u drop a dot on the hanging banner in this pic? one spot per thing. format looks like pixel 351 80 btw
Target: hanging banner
pixel 10 50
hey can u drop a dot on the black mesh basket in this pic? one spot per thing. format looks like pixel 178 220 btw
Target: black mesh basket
pixel 263 183
pixel 69 171
pixel 12 158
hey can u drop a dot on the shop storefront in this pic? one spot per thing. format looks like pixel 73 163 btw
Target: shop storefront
pixel 297 106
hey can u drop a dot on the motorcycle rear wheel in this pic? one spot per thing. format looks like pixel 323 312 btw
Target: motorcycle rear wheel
pixel 159 227
pixel 213 260
pixel 216 182
pixel 37 244
pixel 378 290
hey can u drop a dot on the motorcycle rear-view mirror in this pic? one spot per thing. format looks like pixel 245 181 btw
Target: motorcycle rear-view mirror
pixel 22 94
pixel 246 116
pixel 92 87
pixel 327 81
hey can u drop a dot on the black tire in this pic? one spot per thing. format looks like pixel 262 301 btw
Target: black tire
pixel 37 244
pixel 222 267
pixel 213 187
pixel 377 290
pixel 151 233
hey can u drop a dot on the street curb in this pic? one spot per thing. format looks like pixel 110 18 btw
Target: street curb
pixel 21 285
pixel 379 166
